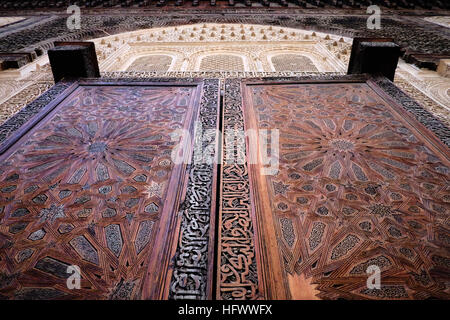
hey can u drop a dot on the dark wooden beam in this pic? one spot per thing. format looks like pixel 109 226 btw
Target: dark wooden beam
pixel 73 60
pixel 374 56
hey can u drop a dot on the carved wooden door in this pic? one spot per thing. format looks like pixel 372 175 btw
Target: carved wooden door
pixel 352 180
pixel 319 179
pixel 93 181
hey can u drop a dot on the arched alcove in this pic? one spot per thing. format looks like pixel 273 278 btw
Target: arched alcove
pixel 188 44
pixel 249 41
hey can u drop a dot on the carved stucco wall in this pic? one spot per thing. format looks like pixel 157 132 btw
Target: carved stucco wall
pixel 292 62
pixel 20 87
pixel 222 62
pixel 255 44
pixel 188 45
pixel 428 88
pixel 152 62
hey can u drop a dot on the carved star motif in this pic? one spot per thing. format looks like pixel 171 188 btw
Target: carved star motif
pixel 52 213
pixel 154 189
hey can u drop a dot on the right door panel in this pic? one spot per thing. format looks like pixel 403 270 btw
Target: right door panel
pixel 360 186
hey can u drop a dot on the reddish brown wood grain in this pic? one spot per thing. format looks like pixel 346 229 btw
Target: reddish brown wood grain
pixel 92 184
pixel 360 183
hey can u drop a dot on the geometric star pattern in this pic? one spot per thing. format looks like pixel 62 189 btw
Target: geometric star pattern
pixel 357 185
pixel 73 191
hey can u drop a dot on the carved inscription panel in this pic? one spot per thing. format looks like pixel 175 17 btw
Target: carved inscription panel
pixel 92 185
pixel 359 184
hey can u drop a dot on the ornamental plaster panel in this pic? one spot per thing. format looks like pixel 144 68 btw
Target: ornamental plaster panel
pixel 427 87
pixel 292 62
pixel 256 44
pixel 319 60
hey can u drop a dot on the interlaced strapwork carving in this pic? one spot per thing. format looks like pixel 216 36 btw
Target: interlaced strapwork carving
pixel 87 186
pixel 357 186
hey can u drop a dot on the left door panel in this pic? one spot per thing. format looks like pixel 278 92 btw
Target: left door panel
pixel 92 181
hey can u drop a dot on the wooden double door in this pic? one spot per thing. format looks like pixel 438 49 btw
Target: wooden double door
pixel 279 189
